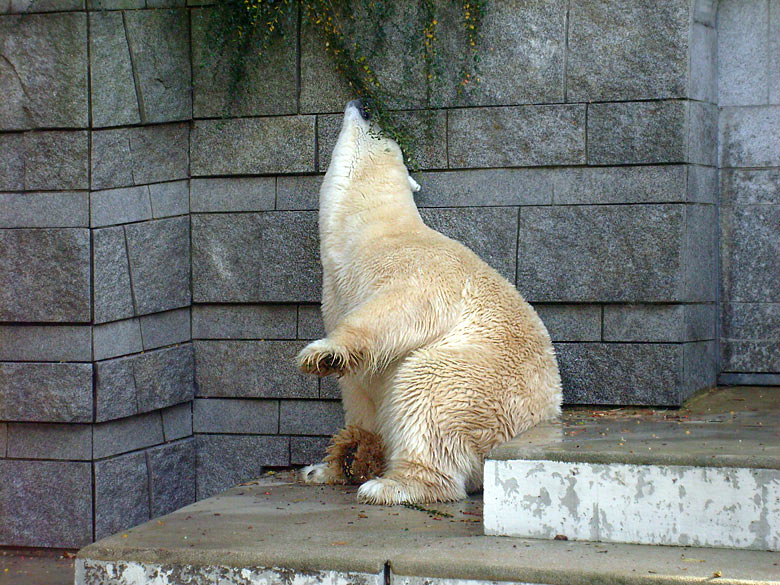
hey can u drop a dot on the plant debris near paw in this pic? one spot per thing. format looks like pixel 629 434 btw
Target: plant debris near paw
pixel 381 48
pixel 430 511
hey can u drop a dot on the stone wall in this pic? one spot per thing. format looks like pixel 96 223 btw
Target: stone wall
pixel 159 263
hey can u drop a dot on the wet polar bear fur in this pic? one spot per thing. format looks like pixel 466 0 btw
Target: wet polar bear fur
pixel 438 354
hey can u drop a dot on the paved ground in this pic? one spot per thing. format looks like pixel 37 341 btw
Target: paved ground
pixel 36 566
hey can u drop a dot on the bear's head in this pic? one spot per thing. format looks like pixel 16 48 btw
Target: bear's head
pixel 365 159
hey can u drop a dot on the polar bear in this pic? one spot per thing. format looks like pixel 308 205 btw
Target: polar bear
pixel 437 353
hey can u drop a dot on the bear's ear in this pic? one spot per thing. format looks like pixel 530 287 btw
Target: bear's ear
pixel 414 184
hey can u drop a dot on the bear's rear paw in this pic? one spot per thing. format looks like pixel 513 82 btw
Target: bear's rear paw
pixel 386 491
pixel 383 492
pixel 322 358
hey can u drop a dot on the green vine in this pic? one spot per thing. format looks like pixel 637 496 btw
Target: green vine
pixel 355 34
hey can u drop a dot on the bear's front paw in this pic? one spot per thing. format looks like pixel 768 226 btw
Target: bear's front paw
pixel 322 358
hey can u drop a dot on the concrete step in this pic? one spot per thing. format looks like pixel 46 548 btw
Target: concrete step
pixel 707 475
pixel 279 532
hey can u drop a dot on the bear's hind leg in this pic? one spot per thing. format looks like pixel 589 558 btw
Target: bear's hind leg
pixel 409 483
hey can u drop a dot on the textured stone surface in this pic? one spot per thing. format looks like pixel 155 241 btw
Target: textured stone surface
pixel 49 441
pixel 41 5
pixel 310 417
pixel 159 263
pixel 113 292
pixel 748 137
pixel 43 71
pixel 517 136
pixel 244 321
pixel 700 257
pixel 234 194
pixel 750 336
pixel 283 144
pixel 114 98
pixel 54 343
pixel 251 369
pixel 600 185
pixel 236 416
pixel 637 132
pixel 3 438
pixel 45 160
pixel 267 83
pixel 159 42
pixel 774 52
pixel 227 460
pixel 703 82
pixel 121 493
pixel 298 193
pixel 34 514
pixel 700 366
pixel 702 184
pixel 571 322
pixel 621 373
pixel 490 232
pixel 485 188
pixel 743 53
pixel 124 205
pixel 171 476
pixel 42 210
pixel 45 275
pixel 582 253
pixel 116 338
pixel 139 155
pixel 41 392
pixel 115 389
pixel 127 434
pixel 669 323
pixel 164 377
pixel 12 163
pixel 702 133
pixel 170 199
pixel 256 257
pixel 307 450
pixel 330 389
pixel 177 421
pixel 310 325
pixel 166 328
pixel 749 187
pixel 627 50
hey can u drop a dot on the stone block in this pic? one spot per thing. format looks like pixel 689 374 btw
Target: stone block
pixel 310 325
pixel 329 388
pixel 664 323
pixel 571 322
pixel 699 367
pixel 159 42
pixel 307 450
pixel 171 476
pixel 250 146
pixel 750 253
pixel 774 52
pixel 755 356
pixel 164 377
pixel 44 210
pixel 3 439
pixel 40 343
pixel 121 494
pixel 298 193
pixel 517 136
pixel 233 194
pixel 742 379
pixel 490 232
pixel 258 417
pixel 627 50
pixel 116 339
pixel 12 163
pixel 45 275
pixel 177 421
pixel 41 5
pixel 50 441
pixel 43 71
pixel 323 88
pixel 127 434
pixel 41 392
pixel 115 389
pixel 114 99
pixel 702 133
pixel 750 336
pixel 160 264
pixel 748 137
pixel 706 12
pixel 244 321
pixel 55 160
pixel 606 185
pixel 637 132
pixel 621 373
pixel 36 515
pixel 493 187
pixel 743 53
pixel 700 254
pixel 113 292
pixel 703 82
pixel 227 460
pixel 168 328
pixel 267 79
pixel 124 205
pixel 702 184
pixel 749 187
pixel 137 156
pixel 169 199
pixel 563 258
pixel 310 417
pixel 114 4
pixel 251 369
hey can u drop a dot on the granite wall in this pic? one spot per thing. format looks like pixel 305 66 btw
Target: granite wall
pixel 159 262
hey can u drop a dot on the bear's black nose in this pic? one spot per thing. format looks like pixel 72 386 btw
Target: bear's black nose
pixel 361 109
